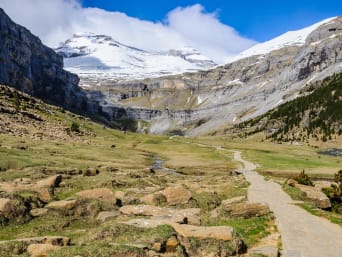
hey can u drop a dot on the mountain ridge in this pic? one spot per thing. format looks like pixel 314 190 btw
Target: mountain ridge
pixel 94 57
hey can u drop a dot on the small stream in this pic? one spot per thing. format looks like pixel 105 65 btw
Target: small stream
pixel 337 152
pixel 158 165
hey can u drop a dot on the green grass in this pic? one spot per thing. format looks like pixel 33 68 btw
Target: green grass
pixel 251 230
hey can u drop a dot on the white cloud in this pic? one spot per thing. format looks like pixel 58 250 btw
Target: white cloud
pixel 56 20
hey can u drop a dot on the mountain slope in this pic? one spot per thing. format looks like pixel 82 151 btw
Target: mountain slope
pixel 98 56
pixel 316 115
pixel 291 38
pixel 204 101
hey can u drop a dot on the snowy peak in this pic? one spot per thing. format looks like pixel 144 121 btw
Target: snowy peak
pixel 192 55
pixel 290 38
pixel 90 55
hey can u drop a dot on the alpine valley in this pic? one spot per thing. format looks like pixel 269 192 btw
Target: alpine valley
pixel 108 150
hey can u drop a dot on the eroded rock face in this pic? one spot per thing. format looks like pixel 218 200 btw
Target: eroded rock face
pixel 33 68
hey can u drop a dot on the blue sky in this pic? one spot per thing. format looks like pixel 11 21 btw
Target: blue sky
pixel 257 19
pixel 219 29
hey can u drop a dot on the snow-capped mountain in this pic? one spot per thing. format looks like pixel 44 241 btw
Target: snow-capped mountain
pixel 90 56
pixel 290 38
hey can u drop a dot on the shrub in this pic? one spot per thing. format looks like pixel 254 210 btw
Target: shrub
pixel 304 179
pixel 75 127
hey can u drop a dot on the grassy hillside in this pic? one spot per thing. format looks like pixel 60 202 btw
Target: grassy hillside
pixel 316 116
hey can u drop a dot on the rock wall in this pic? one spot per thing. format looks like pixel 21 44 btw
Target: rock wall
pixel 31 67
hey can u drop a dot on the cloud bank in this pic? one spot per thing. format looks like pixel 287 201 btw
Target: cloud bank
pixel 55 21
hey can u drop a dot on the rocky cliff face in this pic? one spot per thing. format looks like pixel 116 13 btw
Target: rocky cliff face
pixel 203 101
pixel 28 65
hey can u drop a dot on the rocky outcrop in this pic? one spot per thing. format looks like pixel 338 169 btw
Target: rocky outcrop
pixel 31 67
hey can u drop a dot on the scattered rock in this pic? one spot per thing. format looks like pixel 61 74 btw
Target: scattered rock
pixel 38 212
pixel 188 216
pixel 158 247
pixel 91 172
pixel 171 244
pixel 176 195
pixel 219 232
pixel 319 199
pixel 291 182
pixel 154 199
pixel 62 205
pixel 41 250
pixel 53 240
pixel 6 207
pixel 23 181
pixel 267 251
pixel 50 182
pixel 230 201
pixel 247 209
pixel 42 187
pixel 104 215
pixel 102 194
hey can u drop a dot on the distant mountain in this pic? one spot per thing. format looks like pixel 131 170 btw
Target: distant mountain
pixel 260 79
pixel 94 56
pixel 288 39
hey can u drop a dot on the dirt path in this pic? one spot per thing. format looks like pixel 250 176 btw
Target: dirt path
pixel 303 234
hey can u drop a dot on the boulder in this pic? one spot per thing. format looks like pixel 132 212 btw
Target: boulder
pixel 230 201
pixel 104 215
pixel 38 212
pixel 6 207
pixel 53 240
pixel 22 181
pixel 319 199
pixel 41 250
pixel 42 187
pixel 158 247
pixel 219 232
pixel 188 216
pixel 267 251
pixel 291 182
pixel 171 244
pixel 102 194
pixel 62 205
pixel 247 209
pixel 50 182
pixel 176 195
pixel 91 172
pixel 154 199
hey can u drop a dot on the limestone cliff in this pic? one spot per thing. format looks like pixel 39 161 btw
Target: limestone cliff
pixel 30 66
